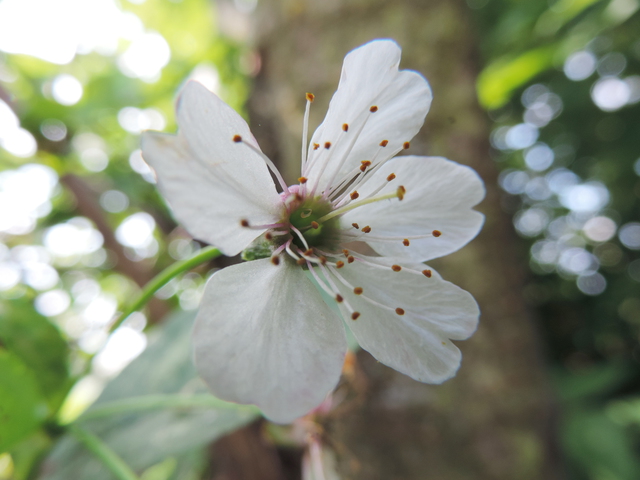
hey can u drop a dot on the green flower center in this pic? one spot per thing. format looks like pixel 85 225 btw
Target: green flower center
pixel 306 218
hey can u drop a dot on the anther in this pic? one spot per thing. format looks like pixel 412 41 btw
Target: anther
pixel 275 260
pixel 339 298
pixel 358 290
pixel 315 225
pixel 345 252
pixel 391 177
pixel 399 311
pixel 301 261
pixel 339 264
pixel 373 109
pixel 302 180
pixel 327 145
pixel 384 143
pixel 426 273
pixel 366 163
pixel 400 192
pixel 355 225
pixel 309 252
pixel 310 96
pixel 406 242
pixel 350 259
pixel 436 233
pixel 406 145
pixel 354 195
pixel 355 315
pixel 244 222
pixel 366 229
pixel 268 236
pixel 345 127
pixel 396 268
pixel 237 138
pixel 316 146
pixel 323 259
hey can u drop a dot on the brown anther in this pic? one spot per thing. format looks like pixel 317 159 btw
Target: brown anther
pixel 358 290
pixel 406 145
pixel 426 273
pixel 355 225
pixel 384 143
pixel 268 236
pixel 350 259
pixel 275 260
pixel 354 195
pixel 323 259
pixel 302 180
pixel 315 225
pixel 339 264
pixel 396 268
pixel 406 242
pixel 316 146
pixel 345 127
pixel 299 197
pixel 373 109
pixel 345 252
pixel 366 163
pixel 327 145
pixel 366 229
pixel 436 233
pixel 237 138
pixel 363 168
pixel 355 315
pixel 339 298
pixel 301 261
pixel 400 192
pixel 244 222
pixel 310 96
pixel 391 177
pixel 399 311
pixel 309 252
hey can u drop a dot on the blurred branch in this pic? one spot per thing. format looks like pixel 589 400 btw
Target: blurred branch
pixel 88 206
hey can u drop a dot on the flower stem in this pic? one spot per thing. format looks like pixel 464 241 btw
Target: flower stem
pixel 111 460
pixel 160 280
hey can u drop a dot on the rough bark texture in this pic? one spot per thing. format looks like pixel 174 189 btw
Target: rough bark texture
pixel 495 419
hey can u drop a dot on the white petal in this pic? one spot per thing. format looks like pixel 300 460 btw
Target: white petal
pixel 264 336
pixel 370 77
pixel 416 343
pixel 439 196
pixel 211 182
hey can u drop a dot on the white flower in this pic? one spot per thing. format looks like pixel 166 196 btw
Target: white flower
pixel 359 222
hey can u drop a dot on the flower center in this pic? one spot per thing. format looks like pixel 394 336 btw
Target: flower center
pixel 307 219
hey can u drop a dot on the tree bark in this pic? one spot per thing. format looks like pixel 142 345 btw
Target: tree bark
pixel 495 420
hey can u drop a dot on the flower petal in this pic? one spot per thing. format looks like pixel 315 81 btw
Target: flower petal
pixel 370 77
pixel 439 196
pixel 264 336
pixel 416 341
pixel 211 182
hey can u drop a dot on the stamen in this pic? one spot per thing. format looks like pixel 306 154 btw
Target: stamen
pixel 350 259
pixel 396 268
pixel 391 177
pixel 355 225
pixel 305 131
pixel 345 127
pixel 302 180
pixel 355 315
pixel 406 242
pixel 358 290
pixel 339 298
pixel 354 195
pixel 339 264
pixel 400 311
pixel 268 236
pixel 301 261
pixel 406 145
pixel 327 145
pixel 315 225
pixel 345 252
pixel 275 260
pixel 436 233
pixel 245 223
pixel 401 191
pixel 426 273
pixel 384 143
pixel 300 236
pixel 366 229
pixel 316 146
pixel 267 160
pixel 351 206
pixel 373 109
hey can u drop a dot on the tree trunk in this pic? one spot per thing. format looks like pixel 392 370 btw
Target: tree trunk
pixel 495 419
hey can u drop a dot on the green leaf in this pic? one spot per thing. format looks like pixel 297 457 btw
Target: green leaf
pixel 22 407
pixel 40 346
pixel 156 408
pixel 500 78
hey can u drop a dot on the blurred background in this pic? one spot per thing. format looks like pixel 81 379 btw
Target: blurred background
pixel 541 97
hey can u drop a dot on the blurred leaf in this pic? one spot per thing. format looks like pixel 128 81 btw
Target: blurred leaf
pixel 145 438
pixel 598 380
pixel 601 447
pixel 22 408
pixel 40 346
pixel 500 78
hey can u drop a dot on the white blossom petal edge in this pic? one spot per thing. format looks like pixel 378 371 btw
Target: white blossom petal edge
pixel 359 222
